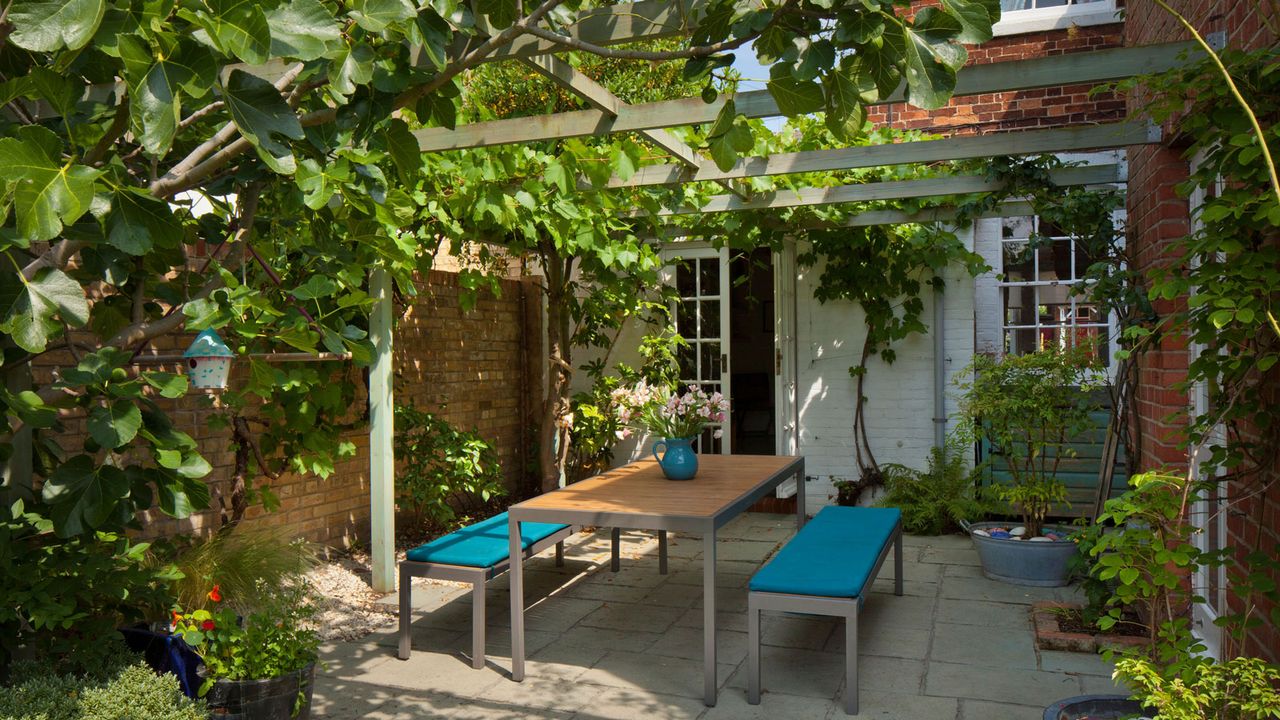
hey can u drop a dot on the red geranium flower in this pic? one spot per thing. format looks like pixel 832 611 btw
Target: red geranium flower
pixel 207 625
pixel 176 617
pixel 215 595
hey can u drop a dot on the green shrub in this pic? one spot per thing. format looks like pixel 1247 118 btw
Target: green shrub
pixel 446 471
pixel 131 692
pixel 60 597
pixel 934 501
pixel 241 563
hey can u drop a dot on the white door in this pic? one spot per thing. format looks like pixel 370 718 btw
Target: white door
pixel 787 419
pixel 700 275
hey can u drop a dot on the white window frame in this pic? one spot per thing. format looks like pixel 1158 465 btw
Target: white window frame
pixel 1108 328
pixel 1208 514
pixel 1015 22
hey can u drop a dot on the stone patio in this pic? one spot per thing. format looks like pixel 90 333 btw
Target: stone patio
pixel 629 644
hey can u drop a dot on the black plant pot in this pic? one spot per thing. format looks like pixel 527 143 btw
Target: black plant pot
pixel 271 699
pixel 1093 707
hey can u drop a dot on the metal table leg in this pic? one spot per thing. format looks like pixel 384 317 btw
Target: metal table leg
pixel 710 682
pixel 800 512
pixel 517 601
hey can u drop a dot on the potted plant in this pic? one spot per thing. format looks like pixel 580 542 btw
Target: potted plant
pixel 676 418
pixel 260 666
pixel 1029 408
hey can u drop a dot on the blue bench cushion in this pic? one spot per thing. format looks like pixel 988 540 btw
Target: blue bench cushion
pixel 832 556
pixel 484 544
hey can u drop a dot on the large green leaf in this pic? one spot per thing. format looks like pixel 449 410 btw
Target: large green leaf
pixel 116 425
pixel 303 29
pixel 355 68
pixel 138 222
pixel 975 16
pixel 795 97
pixel 404 150
pixel 262 116
pixel 49 25
pixel 49 194
pixel 845 111
pixel 156 105
pixel 931 57
pixel 378 15
pixel 319 183
pixel 38 310
pixel 179 494
pixel 83 496
pixel 239 27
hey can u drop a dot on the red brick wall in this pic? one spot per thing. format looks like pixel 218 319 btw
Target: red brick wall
pixel 1043 108
pixel 473 368
pixel 1158 217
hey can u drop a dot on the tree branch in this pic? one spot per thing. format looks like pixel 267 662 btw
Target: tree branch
pixel 700 51
pixel 57 256
pixel 118 125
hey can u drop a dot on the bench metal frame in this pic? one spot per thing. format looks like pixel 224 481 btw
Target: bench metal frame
pixel 478 577
pixel 846 608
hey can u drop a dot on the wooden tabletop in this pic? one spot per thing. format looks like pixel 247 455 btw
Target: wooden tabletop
pixel 641 489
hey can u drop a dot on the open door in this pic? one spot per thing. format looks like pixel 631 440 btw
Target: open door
pixel 700 275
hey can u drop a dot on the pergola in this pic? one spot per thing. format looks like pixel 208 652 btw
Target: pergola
pixel 639 21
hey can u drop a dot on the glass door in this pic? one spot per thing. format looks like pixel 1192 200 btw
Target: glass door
pixel 700 275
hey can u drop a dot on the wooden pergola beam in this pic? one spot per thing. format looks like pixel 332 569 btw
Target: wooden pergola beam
pixel 1073 69
pixel 1022 142
pixel 892 190
pixel 598 96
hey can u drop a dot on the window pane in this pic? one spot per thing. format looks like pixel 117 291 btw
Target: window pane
pixel 1018 262
pixel 709 322
pixel 709 276
pixel 710 361
pixel 686 316
pixel 1019 341
pixel 1019 306
pixel 685 357
pixel 1017 227
pixel 684 279
pixel 1055 261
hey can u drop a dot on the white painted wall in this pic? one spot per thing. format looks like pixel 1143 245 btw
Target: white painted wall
pixel 900 396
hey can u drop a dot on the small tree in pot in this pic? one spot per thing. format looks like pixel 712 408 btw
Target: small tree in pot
pixel 1030 408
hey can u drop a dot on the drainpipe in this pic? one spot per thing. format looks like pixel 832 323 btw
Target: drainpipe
pixel 939 369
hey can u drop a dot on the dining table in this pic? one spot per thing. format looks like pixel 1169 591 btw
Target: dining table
pixel 637 496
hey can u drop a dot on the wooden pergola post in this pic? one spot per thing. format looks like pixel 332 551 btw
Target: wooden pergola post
pixel 382 520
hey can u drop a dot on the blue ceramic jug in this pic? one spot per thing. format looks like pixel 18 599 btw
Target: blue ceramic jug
pixel 678 460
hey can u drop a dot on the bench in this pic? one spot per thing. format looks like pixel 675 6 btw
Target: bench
pixel 478 553
pixel 825 569
pixel 475 554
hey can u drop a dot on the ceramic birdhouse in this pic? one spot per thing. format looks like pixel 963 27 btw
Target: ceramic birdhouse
pixel 208 361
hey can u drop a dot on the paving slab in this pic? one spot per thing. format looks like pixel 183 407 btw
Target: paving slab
pixel 983 710
pixel 1007 685
pixel 646 672
pixel 593 637
pixel 981 588
pixel 1098 685
pixel 562 661
pixel 732 705
pixel 745 550
pixel 1076 663
pixel 897 706
pixel 949 556
pixel 982 612
pixel 671 594
pixel 906 611
pixel 978 646
pixel 725 620
pixel 795 631
pixel 627 617
pixel 886 640
pixel 611 703
pixel 686 642
pixel 790 671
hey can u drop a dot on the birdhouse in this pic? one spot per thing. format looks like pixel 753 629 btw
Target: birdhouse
pixel 208 361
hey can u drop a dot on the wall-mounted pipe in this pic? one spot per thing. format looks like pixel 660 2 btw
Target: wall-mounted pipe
pixel 939 368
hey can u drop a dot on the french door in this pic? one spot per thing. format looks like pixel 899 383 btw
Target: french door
pixel 700 275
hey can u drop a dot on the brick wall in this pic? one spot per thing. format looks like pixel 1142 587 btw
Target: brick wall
pixel 472 368
pixel 1043 108
pixel 1158 217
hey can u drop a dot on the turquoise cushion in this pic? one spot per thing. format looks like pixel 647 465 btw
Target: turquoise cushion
pixel 484 544
pixel 832 556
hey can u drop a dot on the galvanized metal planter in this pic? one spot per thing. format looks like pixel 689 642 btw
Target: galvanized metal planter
pixel 1023 562
pixel 1093 707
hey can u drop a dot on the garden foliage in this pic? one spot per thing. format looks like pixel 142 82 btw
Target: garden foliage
pixel 128 691
pixel 445 472
pixel 934 501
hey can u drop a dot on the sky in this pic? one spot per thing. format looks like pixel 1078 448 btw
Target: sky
pixel 753 78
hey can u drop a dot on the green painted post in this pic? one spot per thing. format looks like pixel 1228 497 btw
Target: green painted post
pixel 381 429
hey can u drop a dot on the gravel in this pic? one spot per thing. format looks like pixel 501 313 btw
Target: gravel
pixel 349 607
